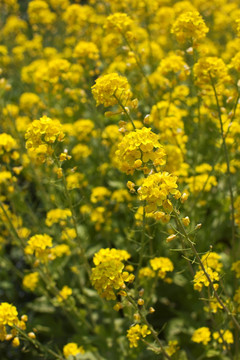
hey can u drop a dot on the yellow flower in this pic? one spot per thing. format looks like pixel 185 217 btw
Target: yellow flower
pixel 118 22
pixel 30 101
pixel 135 333
pixel 108 275
pixel 236 267
pixel 8 314
pixel 64 293
pixel 40 246
pixel 110 88
pixel 156 188
pixel 146 272
pixel 16 342
pixel 237 210
pixel 189 26
pixel 85 50
pixel 172 347
pixel 56 216
pixel 211 259
pixel 201 279
pixel 39 13
pixel 99 193
pixel 226 336
pixel 139 147
pixel 83 129
pixel 59 251
pixel 41 134
pixel 163 265
pixel 202 335
pixel 202 182
pixel 209 69
pixel 7 143
pixel 114 254
pixel 81 151
pixel 30 281
pixel 72 349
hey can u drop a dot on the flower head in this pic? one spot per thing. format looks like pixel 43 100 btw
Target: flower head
pixel 138 148
pixel 40 136
pixel 72 349
pixel 155 190
pixel 135 333
pixel 202 335
pixel 108 275
pixel 189 26
pixel 110 88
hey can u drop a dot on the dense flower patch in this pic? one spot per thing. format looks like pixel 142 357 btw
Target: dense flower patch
pixel 119 178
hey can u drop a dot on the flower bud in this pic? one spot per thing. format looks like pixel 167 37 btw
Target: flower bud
pixel 171 237
pixel 140 302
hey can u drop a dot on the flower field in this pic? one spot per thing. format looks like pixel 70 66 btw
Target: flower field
pixel 119 178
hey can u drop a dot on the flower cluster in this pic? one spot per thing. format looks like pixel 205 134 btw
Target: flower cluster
pixel 223 337
pixel 64 293
pixel 155 190
pixel 210 70
pixel 9 319
pixel 111 89
pixel 118 22
pixel 189 26
pixel 58 216
pixel 7 143
pixel 202 335
pixel 137 149
pixel 30 281
pixel 236 268
pixel 39 245
pixel 40 136
pixel 72 349
pixel 135 333
pixel 201 279
pixel 109 274
pixel 163 265
pixel 86 50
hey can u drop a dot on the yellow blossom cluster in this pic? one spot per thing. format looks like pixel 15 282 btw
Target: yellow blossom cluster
pixel 72 349
pixel 212 264
pixel 64 293
pixel 137 149
pixel 168 73
pixel 58 216
pixel 189 26
pixel 111 89
pixel 39 245
pixel 40 136
pixel 155 190
pixel 9 319
pixel 223 337
pixel 119 23
pixel 135 333
pixel 202 335
pixel 86 50
pixel 109 274
pixel 163 265
pixel 211 70
pixel 30 281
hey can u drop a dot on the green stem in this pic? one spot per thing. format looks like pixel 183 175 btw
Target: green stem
pixel 125 111
pixel 153 332
pixel 68 197
pixel 234 253
pixel 185 235
pixel 142 247
pixel 38 345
